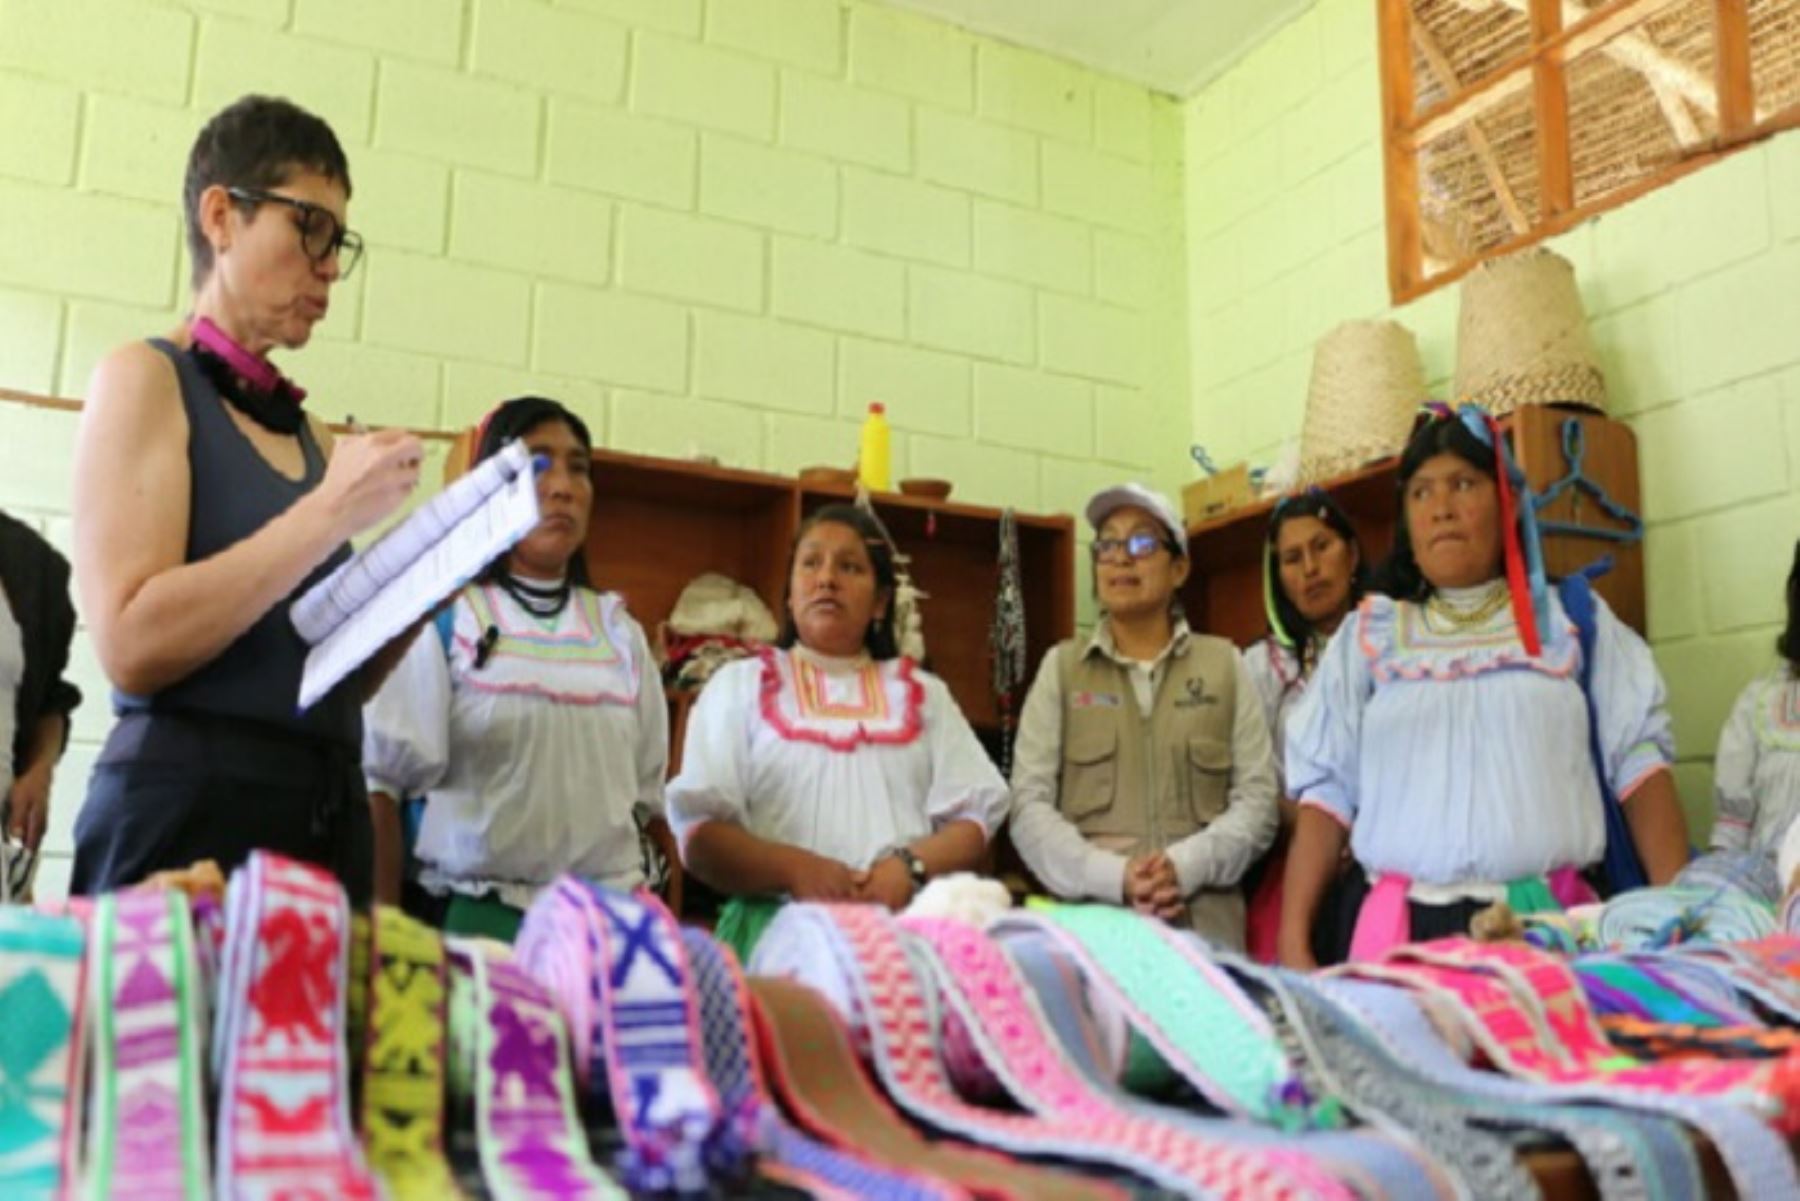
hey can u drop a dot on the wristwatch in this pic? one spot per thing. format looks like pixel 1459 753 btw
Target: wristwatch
pixel 915 866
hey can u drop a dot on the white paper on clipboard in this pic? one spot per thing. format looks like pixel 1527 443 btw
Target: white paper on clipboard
pixel 360 607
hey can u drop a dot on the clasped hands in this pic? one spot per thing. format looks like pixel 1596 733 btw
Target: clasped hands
pixel 1151 887
pixel 813 877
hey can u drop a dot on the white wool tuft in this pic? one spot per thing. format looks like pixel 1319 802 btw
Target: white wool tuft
pixel 963 896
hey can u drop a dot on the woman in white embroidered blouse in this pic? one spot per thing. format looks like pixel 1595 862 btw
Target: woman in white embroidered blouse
pixel 1756 774
pixel 532 719
pixel 1445 736
pixel 831 768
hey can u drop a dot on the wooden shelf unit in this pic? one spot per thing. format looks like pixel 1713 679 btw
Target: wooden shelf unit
pixel 1224 593
pixel 657 523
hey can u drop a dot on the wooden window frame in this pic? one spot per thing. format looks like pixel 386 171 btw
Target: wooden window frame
pixel 1541 68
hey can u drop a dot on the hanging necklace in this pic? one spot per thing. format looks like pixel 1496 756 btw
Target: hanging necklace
pixel 1458 619
pixel 542 601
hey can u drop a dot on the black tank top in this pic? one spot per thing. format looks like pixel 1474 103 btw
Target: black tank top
pixel 235 492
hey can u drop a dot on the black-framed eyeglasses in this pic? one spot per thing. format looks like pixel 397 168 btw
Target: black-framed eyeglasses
pixel 321 235
pixel 1140 545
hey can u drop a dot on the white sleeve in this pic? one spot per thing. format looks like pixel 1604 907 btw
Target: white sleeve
pixel 715 753
pixel 965 784
pixel 1630 703
pixel 406 725
pixel 1218 856
pixel 1056 852
pixel 1734 773
pixel 653 727
pixel 1324 733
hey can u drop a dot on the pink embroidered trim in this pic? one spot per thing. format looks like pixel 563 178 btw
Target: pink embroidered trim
pixel 1458 668
pixel 908 730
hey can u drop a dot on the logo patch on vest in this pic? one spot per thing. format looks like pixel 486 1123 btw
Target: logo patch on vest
pixel 1197 695
pixel 1095 700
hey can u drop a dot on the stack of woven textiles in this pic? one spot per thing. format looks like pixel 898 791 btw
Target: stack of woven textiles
pixel 1724 896
pixel 276 1045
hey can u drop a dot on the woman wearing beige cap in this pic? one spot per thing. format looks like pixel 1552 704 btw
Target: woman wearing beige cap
pixel 1143 773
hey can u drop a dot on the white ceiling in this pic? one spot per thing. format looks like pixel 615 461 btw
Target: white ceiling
pixel 1174 46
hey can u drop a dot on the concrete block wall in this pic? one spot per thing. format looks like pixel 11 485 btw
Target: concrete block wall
pixel 1693 293
pixel 714 226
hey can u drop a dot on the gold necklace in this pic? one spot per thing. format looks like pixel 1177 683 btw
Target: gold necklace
pixel 1464 619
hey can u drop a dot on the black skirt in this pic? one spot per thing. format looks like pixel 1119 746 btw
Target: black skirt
pixel 173 788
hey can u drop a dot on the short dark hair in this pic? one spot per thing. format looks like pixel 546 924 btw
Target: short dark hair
pixel 879 638
pixel 1788 645
pixel 1316 503
pixel 1399 575
pixel 516 418
pixel 255 142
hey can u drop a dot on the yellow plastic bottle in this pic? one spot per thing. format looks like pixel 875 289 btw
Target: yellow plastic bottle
pixel 872 464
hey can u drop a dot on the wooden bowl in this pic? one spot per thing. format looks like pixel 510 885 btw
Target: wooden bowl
pixel 828 477
pixel 927 489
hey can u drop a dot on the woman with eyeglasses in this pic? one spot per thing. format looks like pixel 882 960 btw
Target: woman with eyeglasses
pixel 206 500
pixel 1313 575
pixel 531 718
pixel 1142 773
pixel 1445 734
pixel 830 767
pixel 1756 772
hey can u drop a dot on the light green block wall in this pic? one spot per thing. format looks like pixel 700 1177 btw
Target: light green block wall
pixel 1693 292
pixel 715 226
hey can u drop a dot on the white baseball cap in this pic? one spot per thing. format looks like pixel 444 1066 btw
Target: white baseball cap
pixel 1107 501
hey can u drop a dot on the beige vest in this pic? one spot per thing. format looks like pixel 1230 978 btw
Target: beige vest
pixel 1133 784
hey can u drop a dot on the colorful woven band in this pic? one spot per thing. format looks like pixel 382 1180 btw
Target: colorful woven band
pixel 1627 1154
pixel 1730 1101
pixel 147 1092
pixel 860 946
pixel 404 1077
pixel 278 1045
pixel 42 1039
pixel 978 980
pixel 530 1140
pixel 1187 1008
pixel 732 1062
pixel 1375 1163
pixel 624 978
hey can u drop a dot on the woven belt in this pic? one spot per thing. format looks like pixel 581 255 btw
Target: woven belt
pixel 1722 1098
pixel 1767 969
pixel 1645 918
pixel 1187 1008
pixel 813 1069
pixel 617 969
pixel 403 1079
pixel 43 997
pixel 974 974
pixel 1377 1164
pixel 508 1049
pixel 1627 1154
pixel 731 1061
pixel 147 1111
pixel 859 946
pixel 1639 988
pixel 278 1046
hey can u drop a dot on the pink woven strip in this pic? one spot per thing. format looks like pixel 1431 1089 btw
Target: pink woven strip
pixel 1043 1081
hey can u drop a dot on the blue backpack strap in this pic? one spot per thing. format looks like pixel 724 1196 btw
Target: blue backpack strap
pixel 1621 869
pixel 445 621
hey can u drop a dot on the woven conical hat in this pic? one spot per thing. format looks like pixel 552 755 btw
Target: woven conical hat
pixel 1522 336
pixel 1367 382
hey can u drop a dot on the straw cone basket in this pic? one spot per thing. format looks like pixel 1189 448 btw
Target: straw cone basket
pixel 1522 336
pixel 1367 381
